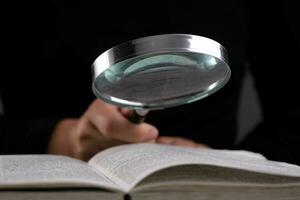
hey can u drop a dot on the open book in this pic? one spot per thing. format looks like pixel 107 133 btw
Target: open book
pixel 149 171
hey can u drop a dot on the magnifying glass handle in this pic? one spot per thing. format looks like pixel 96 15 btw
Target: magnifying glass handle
pixel 138 115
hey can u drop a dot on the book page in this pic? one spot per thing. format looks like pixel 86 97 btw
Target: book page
pixel 186 176
pixel 208 192
pixel 129 164
pixel 49 171
pixel 74 194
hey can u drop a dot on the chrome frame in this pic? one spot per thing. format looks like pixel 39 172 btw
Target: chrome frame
pixel 166 43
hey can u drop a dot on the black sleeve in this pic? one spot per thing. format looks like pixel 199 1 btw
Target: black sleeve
pixel 19 136
pixel 273 55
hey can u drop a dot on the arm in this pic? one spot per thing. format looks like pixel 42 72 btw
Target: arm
pixel 100 127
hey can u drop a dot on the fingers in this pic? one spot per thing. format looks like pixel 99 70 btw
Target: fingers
pixel 100 127
pixel 103 126
pixel 113 124
pixel 179 141
pixel 126 112
pixel 90 141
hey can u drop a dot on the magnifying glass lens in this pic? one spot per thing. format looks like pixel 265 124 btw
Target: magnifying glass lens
pixel 162 79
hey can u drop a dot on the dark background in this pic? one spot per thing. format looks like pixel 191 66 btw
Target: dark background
pixel 50 46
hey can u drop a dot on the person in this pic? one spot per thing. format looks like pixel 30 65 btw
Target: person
pixel 46 92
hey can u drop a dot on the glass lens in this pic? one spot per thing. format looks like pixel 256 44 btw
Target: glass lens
pixel 161 80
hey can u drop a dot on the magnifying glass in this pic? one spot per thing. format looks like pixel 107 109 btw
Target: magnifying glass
pixel 160 71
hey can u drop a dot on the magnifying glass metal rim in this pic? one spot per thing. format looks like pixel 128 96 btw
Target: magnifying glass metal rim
pixel 159 44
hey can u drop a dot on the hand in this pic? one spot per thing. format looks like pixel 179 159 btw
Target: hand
pixel 179 141
pixel 101 126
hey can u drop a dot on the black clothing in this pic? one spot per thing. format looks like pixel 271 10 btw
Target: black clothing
pixel 55 44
